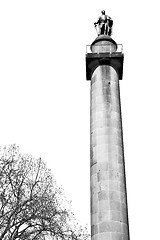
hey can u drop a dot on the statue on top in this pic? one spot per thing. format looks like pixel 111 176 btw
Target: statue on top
pixel 105 24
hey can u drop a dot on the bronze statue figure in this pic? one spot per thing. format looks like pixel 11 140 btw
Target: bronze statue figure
pixel 105 24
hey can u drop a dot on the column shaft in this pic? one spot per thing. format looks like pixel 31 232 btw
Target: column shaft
pixel 109 218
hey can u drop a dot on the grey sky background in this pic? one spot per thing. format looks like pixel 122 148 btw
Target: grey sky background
pixel 45 99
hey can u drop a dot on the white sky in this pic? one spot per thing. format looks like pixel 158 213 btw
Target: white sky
pixel 45 99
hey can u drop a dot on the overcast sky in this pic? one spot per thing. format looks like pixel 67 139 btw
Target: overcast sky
pixel 45 99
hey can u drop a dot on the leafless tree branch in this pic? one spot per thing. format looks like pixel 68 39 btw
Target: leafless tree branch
pixel 30 201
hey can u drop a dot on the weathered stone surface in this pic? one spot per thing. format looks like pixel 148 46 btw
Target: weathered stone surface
pixel 124 218
pixel 103 206
pixel 116 236
pixel 114 196
pixel 94 229
pixel 125 237
pixel 123 197
pixel 102 175
pixel 93 169
pixel 113 185
pixel 115 205
pixel 103 195
pixel 94 180
pixel 105 227
pixel 125 228
pixel 104 236
pixel 108 193
pixel 110 226
pixel 104 216
pixel 115 216
pixel 104 185
pixel 94 205
pixel 103 166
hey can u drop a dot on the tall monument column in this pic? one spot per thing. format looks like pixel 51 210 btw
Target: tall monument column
pixel 109 216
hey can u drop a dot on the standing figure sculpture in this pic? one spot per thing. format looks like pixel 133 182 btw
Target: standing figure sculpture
pixel 105 24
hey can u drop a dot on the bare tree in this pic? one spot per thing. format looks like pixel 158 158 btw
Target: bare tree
pixel 31 204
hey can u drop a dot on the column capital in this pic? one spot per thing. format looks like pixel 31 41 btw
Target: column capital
pixel 104 51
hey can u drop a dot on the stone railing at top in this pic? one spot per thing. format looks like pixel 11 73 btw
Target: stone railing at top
pixel 108 48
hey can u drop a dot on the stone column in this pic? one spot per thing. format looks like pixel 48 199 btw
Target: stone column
pixel 109 217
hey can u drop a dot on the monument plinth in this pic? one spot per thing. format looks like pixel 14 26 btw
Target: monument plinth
pixel 109 215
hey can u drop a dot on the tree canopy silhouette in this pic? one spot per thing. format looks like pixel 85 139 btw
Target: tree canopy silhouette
pixel 32 207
